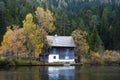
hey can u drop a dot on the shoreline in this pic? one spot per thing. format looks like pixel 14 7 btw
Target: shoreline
pixel 22 62
pixel 58 64
pixel 44 64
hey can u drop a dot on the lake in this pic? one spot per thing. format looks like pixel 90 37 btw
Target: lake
pixel 61 73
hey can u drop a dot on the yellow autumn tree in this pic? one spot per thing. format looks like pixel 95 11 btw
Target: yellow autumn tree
pixel 13 42
pixel 5 44
pixel 45 19
pixel 33 37
pixel 82 46
pixel 5 37
pixel 45 25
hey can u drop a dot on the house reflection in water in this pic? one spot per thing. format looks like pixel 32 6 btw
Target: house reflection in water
pixel 61 73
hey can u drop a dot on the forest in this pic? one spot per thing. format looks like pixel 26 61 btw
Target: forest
pixel 98 21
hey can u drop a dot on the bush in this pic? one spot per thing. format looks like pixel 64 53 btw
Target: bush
pixel 111 56
pixel 95 58
pixel 34 62
pixel 12 63
pixel 95 55
pixel 3 60
pixel 19 61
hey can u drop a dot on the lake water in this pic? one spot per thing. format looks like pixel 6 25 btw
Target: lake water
pixel 61 73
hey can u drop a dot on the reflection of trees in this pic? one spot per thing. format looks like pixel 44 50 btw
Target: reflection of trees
pixel 8 76
pixel 84 73
pixel 90 73
pixel 43 73
pixel 21 73
pixel 39 73
pixel 61 73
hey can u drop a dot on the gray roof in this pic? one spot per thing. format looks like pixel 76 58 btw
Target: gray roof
pixel 61 41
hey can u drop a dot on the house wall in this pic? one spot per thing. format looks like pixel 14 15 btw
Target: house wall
pixel 43 58
pixel 63 54
pixel 53 58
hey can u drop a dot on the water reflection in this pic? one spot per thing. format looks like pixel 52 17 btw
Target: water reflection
pixel 61 73
pixel 20 73
pixel 97 73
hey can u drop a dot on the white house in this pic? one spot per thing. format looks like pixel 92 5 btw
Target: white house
pixel 62 49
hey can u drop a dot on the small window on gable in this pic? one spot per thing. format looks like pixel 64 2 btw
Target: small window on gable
pixel 54 57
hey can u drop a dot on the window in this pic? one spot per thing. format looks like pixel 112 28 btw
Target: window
pixel 67 51
pixel 54 57
pixel 54 51
pixel 67 54
pixel 66 57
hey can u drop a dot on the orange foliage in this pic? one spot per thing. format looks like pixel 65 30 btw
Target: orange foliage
pixel 13 41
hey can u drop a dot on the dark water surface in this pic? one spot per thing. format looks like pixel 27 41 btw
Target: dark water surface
pixel 61 73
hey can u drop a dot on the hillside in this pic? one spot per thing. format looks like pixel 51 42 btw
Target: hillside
pixel 99 18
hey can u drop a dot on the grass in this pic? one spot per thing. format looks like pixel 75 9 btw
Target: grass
pixel 3 60
pixel 27 62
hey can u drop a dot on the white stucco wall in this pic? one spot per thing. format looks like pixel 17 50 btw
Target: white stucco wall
pixel 56 59
pixel 67 60
pixel 51 58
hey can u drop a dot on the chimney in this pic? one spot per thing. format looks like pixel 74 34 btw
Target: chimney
pixel 56 35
